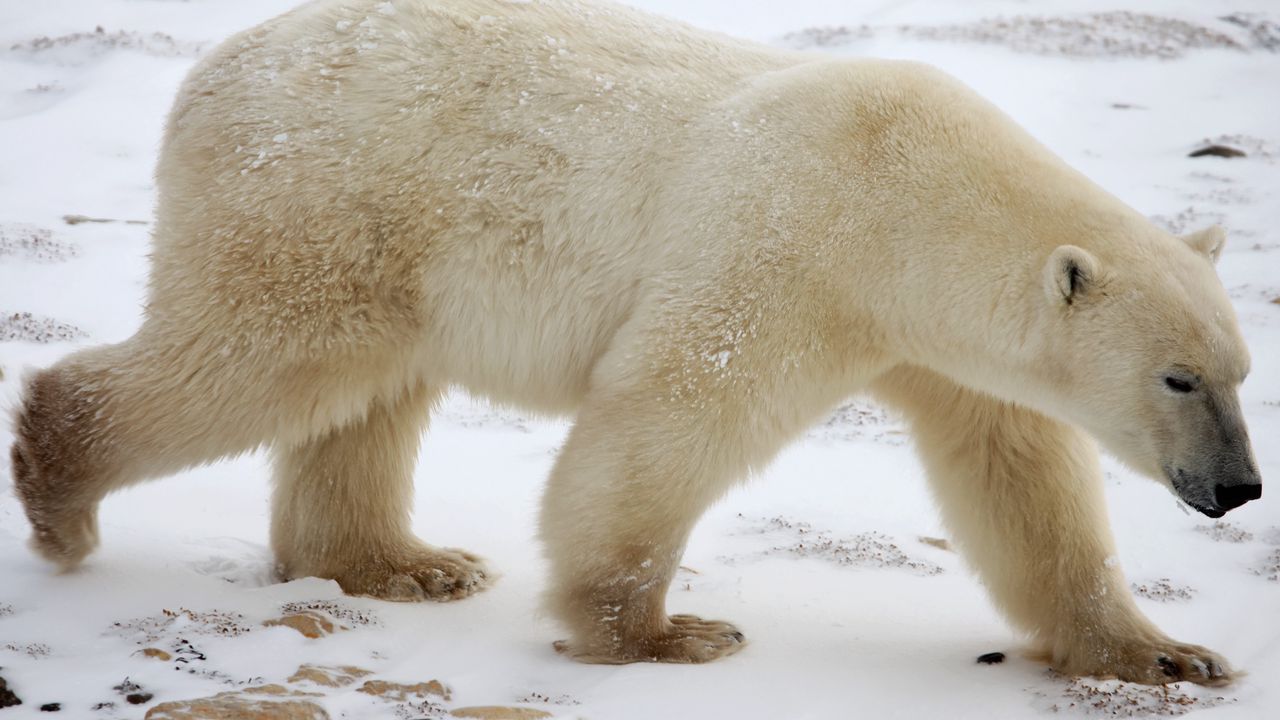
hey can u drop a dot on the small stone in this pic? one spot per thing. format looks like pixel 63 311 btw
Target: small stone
pixel 138 698
pixel 156 653
pixel 397 692
pixel 51 707
pixel 940 543
pixel 310 624
pixel 991 658
pixel 7 698
pixel 499 712
pixel 1222 151
pixel 237 706
pixel 328 676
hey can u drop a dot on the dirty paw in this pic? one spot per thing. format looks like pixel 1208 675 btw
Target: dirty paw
pixel 65 541
pixel 685 639
pixel 1162 663
pixel 1193 663
pixel 438 574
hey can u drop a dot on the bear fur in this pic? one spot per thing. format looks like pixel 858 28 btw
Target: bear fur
pixel 697 245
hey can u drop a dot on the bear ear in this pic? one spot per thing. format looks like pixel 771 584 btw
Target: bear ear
pixel 1208 242
pixel 1069 274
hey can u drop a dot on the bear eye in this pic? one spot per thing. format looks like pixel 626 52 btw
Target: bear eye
pixel 1180 385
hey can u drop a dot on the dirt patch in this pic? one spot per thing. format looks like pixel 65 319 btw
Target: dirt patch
pixel 35 651
pixel 860 419
pixel 26 327
pixel 1263 33
pixel 1163 590
pixel 1269 568
pixel 76 48
pixel 36 244
pixel 1225 532
pixel 863 550
pixel 337 610
pixel 1190 220
pixel 828 36
pixel 1097 35
pixel 1111 34
pixel 1117 699
pixel 545 699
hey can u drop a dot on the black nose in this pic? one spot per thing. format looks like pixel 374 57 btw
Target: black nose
pixel 1233 496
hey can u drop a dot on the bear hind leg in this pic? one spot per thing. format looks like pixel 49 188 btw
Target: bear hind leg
pixel 342 503
pixel 1022 496
pixel 108 417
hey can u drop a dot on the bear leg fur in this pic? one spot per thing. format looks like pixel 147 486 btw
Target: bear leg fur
pixel 1022 496
pixel 342 503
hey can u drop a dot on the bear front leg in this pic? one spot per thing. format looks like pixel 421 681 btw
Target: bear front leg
pixel 631 481
pixel 1022 496
pixel 341 510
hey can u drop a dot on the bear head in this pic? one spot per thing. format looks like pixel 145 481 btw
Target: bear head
pixel 1145 347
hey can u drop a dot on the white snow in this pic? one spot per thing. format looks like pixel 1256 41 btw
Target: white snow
pixel 831 635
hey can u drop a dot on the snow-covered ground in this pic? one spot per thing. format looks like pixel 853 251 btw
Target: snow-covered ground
pixel 820 559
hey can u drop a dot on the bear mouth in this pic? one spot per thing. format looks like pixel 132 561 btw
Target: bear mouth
pixel 1193 493
pixel 1209 512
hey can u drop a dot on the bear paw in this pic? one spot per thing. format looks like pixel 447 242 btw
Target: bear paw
pixel 62 534
pixel 1156 663
pixel 687 639
pixel 66 541
pixel 424 573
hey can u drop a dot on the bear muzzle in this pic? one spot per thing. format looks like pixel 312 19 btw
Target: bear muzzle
pixel 1215 498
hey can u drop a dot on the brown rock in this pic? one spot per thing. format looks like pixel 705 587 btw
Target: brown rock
pixel 156 653
pixel 940 543
pixel 1223 151
pixel 499 712
pixel 328 676
pixel 397 692
pixel 310 624
pixel 238 706
pixel 279 691
pixel 7 698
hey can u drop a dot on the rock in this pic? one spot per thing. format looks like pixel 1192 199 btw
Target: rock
pixel 156 653
pixel 310 624
pixel 7 698
pixel 498 712
pixel 51 707
pixel 279 691
pixel 285 705
pixel 402 693
pixel 328 676
pixel 1222 151
pixel 991 658
pixel 138 698
pixel 940 543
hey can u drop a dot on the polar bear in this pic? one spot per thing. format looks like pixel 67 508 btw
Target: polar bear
pixel 697 245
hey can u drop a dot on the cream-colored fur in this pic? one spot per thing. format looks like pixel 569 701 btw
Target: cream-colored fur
pixel 696 244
